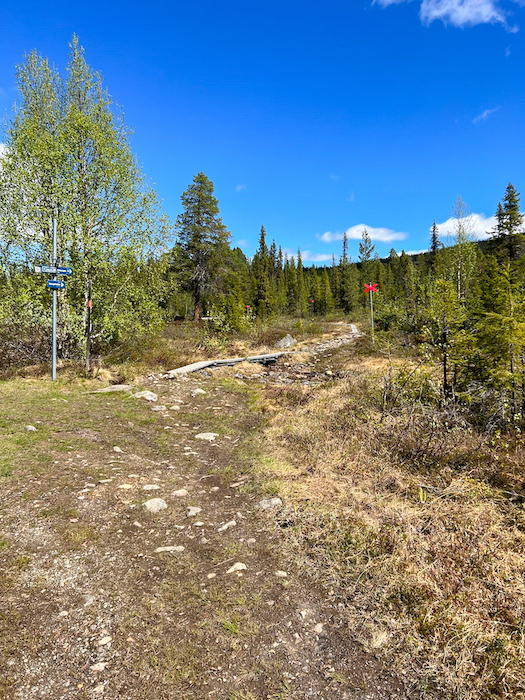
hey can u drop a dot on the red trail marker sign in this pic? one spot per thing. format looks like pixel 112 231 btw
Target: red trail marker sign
pixel 370 288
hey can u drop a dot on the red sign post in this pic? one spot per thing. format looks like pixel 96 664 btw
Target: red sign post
pixel 371 288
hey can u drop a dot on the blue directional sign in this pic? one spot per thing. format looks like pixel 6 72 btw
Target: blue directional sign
pixel 54 270
pixel 56 284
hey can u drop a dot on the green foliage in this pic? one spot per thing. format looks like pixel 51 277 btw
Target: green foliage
pixel 202 239
pixel 68 156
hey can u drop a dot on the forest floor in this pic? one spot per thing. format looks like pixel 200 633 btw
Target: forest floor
pixel 202 599
pixel 391 565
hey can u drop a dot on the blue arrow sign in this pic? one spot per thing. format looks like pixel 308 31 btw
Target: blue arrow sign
pixel 56 284
pixel 64 270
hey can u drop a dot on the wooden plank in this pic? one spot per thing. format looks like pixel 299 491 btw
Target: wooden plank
pixel 196 366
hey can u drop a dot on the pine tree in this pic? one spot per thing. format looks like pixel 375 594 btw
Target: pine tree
pixel 262 266
pixel 300 307
pixel 435 244
pixel 202 236
pixel 326 296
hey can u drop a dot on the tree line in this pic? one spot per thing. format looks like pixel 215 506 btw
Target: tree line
pixel 68 159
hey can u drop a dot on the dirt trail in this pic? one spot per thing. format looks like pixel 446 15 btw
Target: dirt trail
pixel 93 605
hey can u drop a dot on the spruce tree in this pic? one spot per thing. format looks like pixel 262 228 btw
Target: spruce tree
pixel 202 236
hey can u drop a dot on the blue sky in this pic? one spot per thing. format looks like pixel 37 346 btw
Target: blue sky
pixel 311 118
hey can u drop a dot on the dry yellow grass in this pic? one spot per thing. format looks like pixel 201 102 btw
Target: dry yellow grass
pixel 430 560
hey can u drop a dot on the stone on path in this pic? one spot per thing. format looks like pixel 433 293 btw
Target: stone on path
pixel 99 667
pixel 238 566
pixel 197 392
pixel 114 387
pixel 154 505
pixel 175 548
pixel 268 503
pixel 150 487
pixel 180 493
pixel 175 407
pixel 30 428
pixel 192 511
pixel 104 641
pixel 287 342
pixel 207 436
pixel 281 574
pixel 159 408
pixel 125 486
pixel 116 448
pixel 147 395
pixel 230 523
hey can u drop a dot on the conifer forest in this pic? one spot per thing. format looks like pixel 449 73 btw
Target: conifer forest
pixel 68 160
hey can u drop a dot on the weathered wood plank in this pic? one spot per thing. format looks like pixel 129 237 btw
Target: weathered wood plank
pixel 196 366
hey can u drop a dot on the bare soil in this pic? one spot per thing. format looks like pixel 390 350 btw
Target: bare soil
pixel 90 609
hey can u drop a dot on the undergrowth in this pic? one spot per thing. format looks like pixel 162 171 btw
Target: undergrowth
pixel 413 516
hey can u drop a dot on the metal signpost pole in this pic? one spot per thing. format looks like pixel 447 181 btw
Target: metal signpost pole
pixel 372 311
pixel 54 333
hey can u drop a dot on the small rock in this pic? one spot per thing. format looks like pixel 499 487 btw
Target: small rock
pixel 99 667
pixel 89 600
pixel 115 387
pixel 137 524
pixel 198 392
pixel 192 511
pixel 281 574
pixel 154 505
pixel 329 373
pixel 150 487
pixel 318 628
pixel 125 486
pixel 268 503
pixel 213 489
pixel 147 395
pixel 180 493
pixel 238 566
pixel 207 436
pixel 176 407
pixel 287 342
pixel 159 408
pixel 116 448
pixel 211 575
pixel 230 523
pixel 176 548
pixel 104 641
pixel 64 613
pixel 251 540
pixel 199 523
pixel 30 428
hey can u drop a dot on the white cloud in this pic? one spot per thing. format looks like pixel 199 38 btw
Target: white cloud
pixel 307 255
pixel 243 243
pixel 478 225
pixel 3 149
pixel 483 116
pixel 240 188
pixel 355 233
pixel 459 13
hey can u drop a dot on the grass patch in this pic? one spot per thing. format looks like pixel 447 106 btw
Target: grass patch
pixel 412 516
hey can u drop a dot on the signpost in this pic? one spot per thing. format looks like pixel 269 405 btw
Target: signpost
pixel 54 284
pixel 371 288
